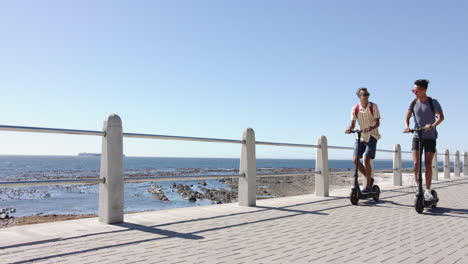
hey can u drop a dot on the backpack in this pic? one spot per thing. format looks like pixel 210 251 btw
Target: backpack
pixel 356 109
pixel 414 103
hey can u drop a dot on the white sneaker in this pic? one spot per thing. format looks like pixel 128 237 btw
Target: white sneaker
pixel 428 196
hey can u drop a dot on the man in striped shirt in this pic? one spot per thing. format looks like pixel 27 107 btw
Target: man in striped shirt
pixel 368 116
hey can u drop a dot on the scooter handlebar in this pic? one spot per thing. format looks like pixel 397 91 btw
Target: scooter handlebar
pixel 416 129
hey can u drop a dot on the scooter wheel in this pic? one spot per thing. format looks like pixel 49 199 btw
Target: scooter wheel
pixel 419 204
pixel 434 194
pixel 376 192
pixel 354 197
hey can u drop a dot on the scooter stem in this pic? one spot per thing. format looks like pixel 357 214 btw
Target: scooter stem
pixel 420 187
pixel 356 184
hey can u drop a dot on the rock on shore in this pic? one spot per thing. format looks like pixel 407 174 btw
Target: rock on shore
pixel 157 192
pixel 215 195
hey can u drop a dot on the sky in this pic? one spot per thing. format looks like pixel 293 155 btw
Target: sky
pixel 287 69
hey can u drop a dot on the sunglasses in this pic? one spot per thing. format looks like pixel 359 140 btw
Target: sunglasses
pixel 415 91
pixel 365 94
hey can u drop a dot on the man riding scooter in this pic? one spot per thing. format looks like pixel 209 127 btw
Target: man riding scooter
pixel 368 116
pixel 428 115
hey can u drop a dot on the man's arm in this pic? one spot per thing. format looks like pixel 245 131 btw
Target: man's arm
pixel 439 119
pixel 376 117
pixel 351 127
pixel 374 126
pixel 407 121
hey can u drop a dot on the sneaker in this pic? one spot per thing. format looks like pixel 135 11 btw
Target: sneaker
pixel 366 190
pixel 428 196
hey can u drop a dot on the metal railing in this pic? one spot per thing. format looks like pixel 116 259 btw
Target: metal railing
pixel 259 143
pixel 166 137
pixel 51 182
pixel 339 147
pixel 52 130
pixel 112 178
pixel 287 174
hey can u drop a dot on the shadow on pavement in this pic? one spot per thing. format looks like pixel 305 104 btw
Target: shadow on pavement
pixel 451 212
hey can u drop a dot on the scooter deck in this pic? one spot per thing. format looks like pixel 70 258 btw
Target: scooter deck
pixel 431 203
pixel 367 195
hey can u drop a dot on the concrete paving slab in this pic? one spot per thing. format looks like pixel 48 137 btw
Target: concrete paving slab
pixel 300 229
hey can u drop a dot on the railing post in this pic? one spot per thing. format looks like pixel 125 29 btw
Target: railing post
pixel 397 163
pixel 321 168
pixel 457 164
pixel 248 166
pixel 447 164
pixel 111 192
pixel 465 164
pixel 435 168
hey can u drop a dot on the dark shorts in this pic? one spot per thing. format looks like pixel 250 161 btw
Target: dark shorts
pixel 429 145
pixel 366 148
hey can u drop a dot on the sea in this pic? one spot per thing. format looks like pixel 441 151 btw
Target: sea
pixel 83 199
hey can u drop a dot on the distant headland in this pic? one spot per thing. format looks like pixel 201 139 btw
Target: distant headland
pixel 86 154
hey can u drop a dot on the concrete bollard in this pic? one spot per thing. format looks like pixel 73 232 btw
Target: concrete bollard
pixel 465 164
pixel 457 164
pixel 397 164
pixel 321 168
pixel 447 164
pixel 111 192
pixel 248 166
pixel 435 168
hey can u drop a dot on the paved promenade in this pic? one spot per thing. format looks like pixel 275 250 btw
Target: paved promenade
pixel 301 229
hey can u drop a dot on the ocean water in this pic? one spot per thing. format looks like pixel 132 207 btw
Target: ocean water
pixel 83 199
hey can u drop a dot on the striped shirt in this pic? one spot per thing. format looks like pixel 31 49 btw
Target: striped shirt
pixel 366 120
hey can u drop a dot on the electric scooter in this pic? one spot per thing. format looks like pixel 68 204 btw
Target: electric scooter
pixel 419 201
pixel 356 193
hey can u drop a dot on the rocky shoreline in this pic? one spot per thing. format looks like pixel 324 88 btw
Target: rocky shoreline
pixel 37 219
pixel 267 187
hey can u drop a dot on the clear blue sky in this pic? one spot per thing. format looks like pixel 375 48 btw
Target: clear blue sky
pixel 288 69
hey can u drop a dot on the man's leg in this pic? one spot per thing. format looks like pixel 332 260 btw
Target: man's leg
pixel 361 167
pixel 371 148
pixel 357 153
pixel 367 161
pixel 428 164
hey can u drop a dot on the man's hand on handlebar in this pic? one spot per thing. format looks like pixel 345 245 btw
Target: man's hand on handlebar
pixel 427 127
pixel 349 130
